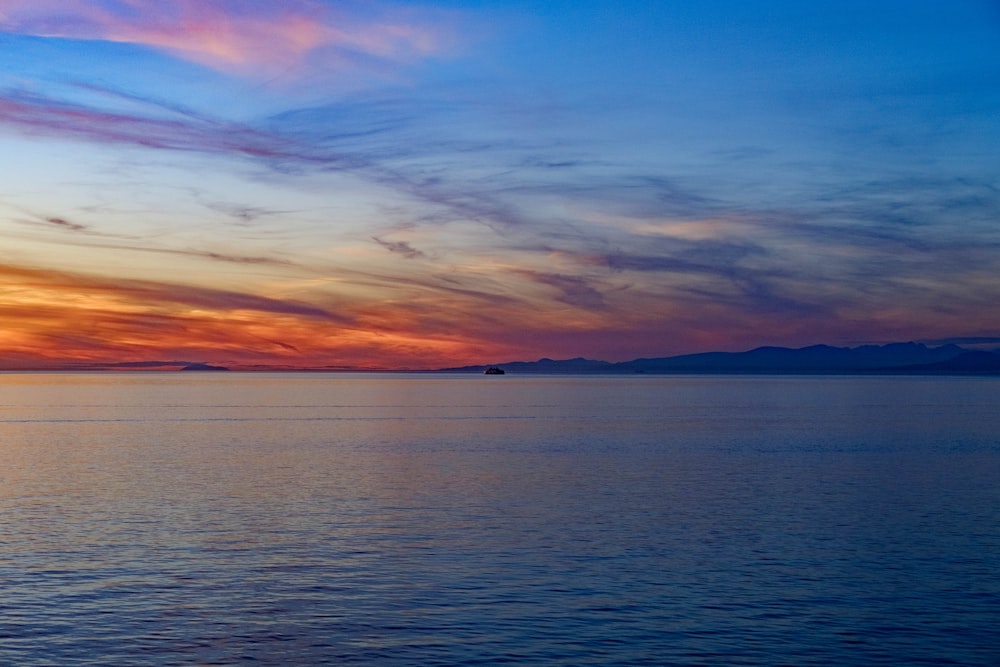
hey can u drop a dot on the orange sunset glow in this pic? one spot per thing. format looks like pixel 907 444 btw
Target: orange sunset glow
pixel 318 185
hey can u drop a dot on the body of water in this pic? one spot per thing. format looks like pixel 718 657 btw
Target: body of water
pixel 328 519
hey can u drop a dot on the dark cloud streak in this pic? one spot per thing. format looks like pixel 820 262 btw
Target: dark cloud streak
pixel 399 248
pixel 573 290
pixel 66 224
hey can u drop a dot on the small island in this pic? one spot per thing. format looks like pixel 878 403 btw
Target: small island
pixel 203 367
pixel 493 370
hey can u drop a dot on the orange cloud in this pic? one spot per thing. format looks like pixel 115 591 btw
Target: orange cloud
pixel 62 319
pixel 53 319
pixel 248 37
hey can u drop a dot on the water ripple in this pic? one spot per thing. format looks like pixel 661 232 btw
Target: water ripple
pixel 670 522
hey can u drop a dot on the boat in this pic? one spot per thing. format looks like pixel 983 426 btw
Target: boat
pixel 493 370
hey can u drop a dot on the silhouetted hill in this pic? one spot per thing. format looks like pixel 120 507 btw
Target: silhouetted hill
pixel 975 362
pixel 812 359
pixel 203 367
pixel 824 359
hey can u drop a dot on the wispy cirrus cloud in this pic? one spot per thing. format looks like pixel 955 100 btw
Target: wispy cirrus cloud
pixel 84 237
pixel 52 314
pixel 399 247
pixel 156 294
pixel 520 230
pixel 245 36
pixel 67 317
pixel 173 128
pixel 574 290
pixel 36 114
pixel 66 224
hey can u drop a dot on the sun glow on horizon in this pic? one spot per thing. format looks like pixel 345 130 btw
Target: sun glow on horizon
pixel 334 184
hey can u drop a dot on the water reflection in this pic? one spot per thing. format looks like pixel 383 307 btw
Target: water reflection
pixel 327 519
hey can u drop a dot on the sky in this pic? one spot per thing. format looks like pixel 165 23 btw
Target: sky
pixel 338 184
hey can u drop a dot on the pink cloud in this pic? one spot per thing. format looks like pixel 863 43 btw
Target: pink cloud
pixel 245 36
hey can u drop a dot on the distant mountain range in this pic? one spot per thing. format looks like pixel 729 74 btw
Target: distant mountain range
pixel 894 358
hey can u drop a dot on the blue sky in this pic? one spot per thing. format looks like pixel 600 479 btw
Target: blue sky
pixel 337 184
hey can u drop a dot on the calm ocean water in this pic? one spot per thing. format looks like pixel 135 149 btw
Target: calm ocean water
pixel 327 519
